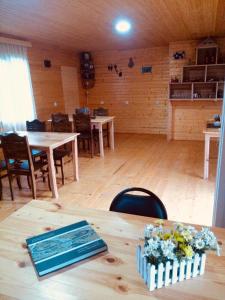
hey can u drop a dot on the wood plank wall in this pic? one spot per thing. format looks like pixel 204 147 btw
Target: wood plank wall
pixel 47 82
pixel 189 118
pixel 138 101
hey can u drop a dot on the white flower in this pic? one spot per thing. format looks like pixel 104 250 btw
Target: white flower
pixel 199 244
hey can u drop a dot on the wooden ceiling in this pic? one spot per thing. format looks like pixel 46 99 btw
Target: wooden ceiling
pixel 88 24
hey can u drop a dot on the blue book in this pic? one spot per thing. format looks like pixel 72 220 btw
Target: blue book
pixel 62 247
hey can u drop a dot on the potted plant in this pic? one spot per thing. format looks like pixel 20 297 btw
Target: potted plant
pixel 175 254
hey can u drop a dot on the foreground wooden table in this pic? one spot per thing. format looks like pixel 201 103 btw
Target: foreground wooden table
pixel 111 275
pixel 209 133
pixel 48 141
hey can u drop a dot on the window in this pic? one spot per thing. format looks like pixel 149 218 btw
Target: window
pixel 16 94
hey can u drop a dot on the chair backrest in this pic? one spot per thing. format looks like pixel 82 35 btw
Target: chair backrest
pixel 83 110
pixel 59 117
pixel 148 205
pixel 16 148
pixel 62 126
pixel 101 111
pixel 82 123
pixel 36 125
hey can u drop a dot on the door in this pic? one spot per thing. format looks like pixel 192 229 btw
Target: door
pixel 70 88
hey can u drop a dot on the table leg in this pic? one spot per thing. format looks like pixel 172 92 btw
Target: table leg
pixel 206 158
pixel 101 144
pixel 52 175
pixel 75 159
pixel 111 132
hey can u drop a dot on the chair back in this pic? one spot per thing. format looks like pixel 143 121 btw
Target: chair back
pixel 83 110
pixel 101 111
pixel 62 126
pixel 148 205
pixel 36 125
pixel 16 148
pixel 59 117
pixel 82 123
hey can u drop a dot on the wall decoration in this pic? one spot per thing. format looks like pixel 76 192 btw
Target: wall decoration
pixel 114 67
pixel 146 69
pixel 130 62
pixel 87 71
pixel 179 55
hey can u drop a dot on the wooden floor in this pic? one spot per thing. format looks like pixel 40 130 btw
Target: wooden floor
pixel 171 170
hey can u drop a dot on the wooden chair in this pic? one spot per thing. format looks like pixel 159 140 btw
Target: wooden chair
pixel 65 150
pixel 83 110
pixel 103 112
pixel 59 117
pixel 36 126
pixel 16 148
pixel 82 125
pixel 148 205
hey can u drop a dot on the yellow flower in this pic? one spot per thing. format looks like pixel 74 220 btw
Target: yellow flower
pixel 178 237
pixel 188 251
pixel 187 236
pixel 166 236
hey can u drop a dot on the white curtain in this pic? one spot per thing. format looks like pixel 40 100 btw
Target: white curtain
pixel 16 94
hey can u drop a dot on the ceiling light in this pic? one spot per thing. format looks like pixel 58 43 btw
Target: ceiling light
pixel 123 26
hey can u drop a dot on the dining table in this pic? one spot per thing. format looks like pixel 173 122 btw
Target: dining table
pixel 209 133
pixel 109 275
pixel 97 122
pixel 48 141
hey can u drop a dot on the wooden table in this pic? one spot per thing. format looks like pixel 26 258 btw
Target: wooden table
pixel 98 122
pixel 109 275
pixel 209 133
pixel 48 141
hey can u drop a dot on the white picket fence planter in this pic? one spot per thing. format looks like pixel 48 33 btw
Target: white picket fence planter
pixel 168 273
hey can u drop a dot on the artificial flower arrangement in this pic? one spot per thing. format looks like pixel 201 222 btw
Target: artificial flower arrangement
pixel 171 255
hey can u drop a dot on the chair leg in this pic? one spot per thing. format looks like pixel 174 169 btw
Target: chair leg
pixel 61 165
pixel 92 148
pixel 49 185
pixel 10 185
pixel 18 182
pixel 33 185
pixel 0 189
pixel 28 181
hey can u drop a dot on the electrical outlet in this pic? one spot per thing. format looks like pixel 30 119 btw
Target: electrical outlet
pixel 126 102
pixel 102 102
pixel 55 103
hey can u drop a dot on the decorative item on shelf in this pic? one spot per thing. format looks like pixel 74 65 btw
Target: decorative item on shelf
pixel 174 79
pixel 87 71
pixel 130 62
pixel 195 95
pixel 172 255
pixel 220 93
pixel 207 52
pixel 179 55
pixel 112 67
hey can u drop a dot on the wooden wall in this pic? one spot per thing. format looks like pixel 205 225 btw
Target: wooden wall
pixel 189 118
pixel 138 101
pixel 47 82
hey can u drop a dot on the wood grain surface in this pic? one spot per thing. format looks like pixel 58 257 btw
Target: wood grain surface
pixel 112 275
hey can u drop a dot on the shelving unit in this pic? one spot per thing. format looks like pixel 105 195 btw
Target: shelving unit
pixel 204 81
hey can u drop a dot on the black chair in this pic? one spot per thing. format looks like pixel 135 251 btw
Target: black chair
pixel 143 205
pixel 102 112
pixel 36 126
